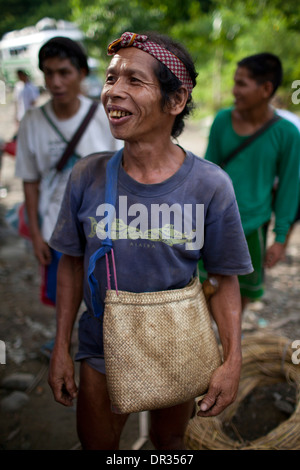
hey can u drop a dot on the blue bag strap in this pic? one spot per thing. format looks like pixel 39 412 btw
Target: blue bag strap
pixel 111 188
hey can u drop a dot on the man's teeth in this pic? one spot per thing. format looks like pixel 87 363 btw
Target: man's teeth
pixel 118 114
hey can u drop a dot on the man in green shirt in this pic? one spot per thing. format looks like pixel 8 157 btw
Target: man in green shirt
pixel 273 156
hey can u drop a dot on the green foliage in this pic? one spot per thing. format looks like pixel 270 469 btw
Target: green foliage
pixel 106 20
pixel 17 14
pixel 218 33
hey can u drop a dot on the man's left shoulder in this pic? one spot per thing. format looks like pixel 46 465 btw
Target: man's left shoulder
pixel 209 168
pixel 211 175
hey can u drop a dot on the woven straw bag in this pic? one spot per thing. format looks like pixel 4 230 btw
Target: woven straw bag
pixel 160 349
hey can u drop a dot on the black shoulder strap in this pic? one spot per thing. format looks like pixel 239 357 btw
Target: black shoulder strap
pixel 249 140
pixel 76 137
pixel 69 150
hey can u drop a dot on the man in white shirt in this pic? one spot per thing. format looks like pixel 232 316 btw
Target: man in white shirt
pixel 25 95
pixel 40 145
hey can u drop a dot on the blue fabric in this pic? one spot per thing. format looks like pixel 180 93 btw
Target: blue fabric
pixel 110 199
pixel 90 337
pixel 52 275
pixel 49 279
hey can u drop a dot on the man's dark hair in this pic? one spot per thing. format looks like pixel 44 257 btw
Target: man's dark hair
pixel 64 48
pixel 169 84
pixel 264 67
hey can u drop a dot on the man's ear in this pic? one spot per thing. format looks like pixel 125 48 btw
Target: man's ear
pixel 178 101
pixel 83 74
pixel 268 88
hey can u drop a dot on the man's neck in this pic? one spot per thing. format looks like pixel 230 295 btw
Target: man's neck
pixel 150 164
pixel 65 111
pixel 248 121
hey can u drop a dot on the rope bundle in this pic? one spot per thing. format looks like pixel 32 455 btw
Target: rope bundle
pixel 267 360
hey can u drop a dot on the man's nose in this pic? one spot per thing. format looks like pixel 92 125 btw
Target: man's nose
pixel 55 80
pixel 118 88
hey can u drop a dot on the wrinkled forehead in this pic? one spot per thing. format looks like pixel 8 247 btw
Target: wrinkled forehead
pixel 134 58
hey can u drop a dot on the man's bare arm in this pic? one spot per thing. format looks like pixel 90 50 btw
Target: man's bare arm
pixel 41 248
pixel 226 308
pixel 69 297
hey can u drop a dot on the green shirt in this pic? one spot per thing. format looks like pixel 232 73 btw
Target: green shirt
pixel 276 153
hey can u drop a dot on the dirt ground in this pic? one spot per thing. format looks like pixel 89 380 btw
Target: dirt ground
pixel 26 325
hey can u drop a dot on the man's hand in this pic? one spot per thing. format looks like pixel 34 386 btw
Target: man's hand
pixel 222 390
pixel 61 378
pixel 41 250
pixel 274 254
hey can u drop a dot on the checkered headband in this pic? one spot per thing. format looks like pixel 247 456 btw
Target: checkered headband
pixel 169 59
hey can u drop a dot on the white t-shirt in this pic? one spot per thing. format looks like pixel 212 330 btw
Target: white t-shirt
pixel 24 95
pixel 40 148
pixel 289 116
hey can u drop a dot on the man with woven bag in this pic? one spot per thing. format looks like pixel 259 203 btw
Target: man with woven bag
pixel 132 227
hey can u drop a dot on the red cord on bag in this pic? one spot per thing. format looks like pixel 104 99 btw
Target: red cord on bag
pixel 108 271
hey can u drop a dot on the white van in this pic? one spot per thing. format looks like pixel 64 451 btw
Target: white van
pixel 19 49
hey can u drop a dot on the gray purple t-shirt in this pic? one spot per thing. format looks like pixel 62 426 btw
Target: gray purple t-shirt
pixel 160 231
